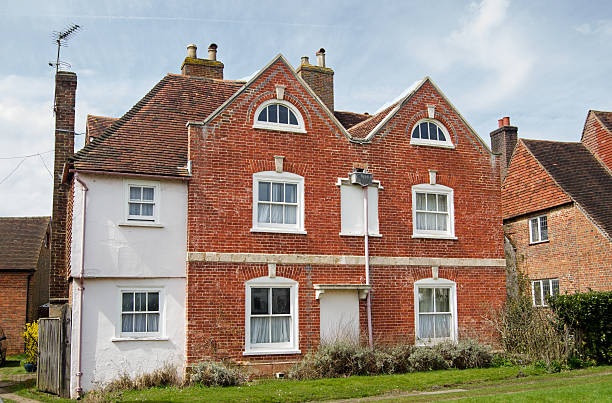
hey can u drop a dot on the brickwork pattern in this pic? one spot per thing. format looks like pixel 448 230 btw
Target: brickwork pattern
pixel 202 68
pixel 13 288
pixel 598 139
pixel 65 94
pixel 321 81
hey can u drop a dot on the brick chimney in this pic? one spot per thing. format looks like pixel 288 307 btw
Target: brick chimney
pixel 319 78
pixel 65 99
pixel 503 141
pixel 208 68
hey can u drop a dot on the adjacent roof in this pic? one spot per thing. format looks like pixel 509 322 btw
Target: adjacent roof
pixel 151 138
pixel 605 118
pixel 350 119
pixel 365 127
pixel 580 175
pixel 20 241
pixel 96 125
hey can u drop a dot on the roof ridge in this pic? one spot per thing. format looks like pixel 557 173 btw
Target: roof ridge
pixel 100 116
pixel 205 78
pixel 363 122
pixel 24 217
pixel 552 141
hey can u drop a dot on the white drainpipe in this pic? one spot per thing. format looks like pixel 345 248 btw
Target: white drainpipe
pixel 367 263
pixel 79 373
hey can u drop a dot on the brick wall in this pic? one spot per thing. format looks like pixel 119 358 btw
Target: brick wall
pixel 202 68
pixel 13 288
pixel 228 152
pixel 577 252
pixel 65 93
pixel 597 139
pixel 321 81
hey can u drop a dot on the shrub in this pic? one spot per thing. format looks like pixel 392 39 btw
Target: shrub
pixel 589 317
pixel 165 376
pixel 465 354
pixel 427 359
pixel 213 373
pixel 30 337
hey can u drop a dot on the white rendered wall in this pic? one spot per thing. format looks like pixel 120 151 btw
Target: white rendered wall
pixel 113 249
pixel 339 315
pixel 105 356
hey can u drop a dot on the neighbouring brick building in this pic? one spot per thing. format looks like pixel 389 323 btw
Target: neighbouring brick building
pixel 557 207
pixel 24 274
pixel 227 219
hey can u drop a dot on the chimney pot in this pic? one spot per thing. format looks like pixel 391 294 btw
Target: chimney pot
pixel 305 60
pixel 192 51
pixel 212 51
pixel 501 122
pixel 506 121
pixel 321 57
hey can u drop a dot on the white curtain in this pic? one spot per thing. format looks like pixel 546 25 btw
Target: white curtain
pixel 290 214
pixel 280 329
pixel 152 322
pixel 263 213
pixel 140 322
pixel 127 323
pixel 421 222
pixel 260 330
pixel 426 326
pixel 277 214
pixel 443 326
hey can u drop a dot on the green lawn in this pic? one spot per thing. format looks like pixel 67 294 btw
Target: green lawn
pixel 12 366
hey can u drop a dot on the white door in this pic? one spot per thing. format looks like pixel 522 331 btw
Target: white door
pixel 339 315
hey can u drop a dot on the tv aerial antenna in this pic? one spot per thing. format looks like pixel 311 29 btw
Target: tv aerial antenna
pixel 61 39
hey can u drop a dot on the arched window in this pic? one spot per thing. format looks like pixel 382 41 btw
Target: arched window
pixel 435 309
pixel 280 115
pixel 430 132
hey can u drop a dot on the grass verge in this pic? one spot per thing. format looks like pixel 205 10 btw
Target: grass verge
pixel 12 366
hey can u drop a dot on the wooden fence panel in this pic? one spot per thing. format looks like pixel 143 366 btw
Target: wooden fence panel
pixel 53 373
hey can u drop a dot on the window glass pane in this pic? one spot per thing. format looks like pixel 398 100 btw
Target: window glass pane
pixel 281 329
pixel 537 293
pixel 134 208
pixel 426 300
pixel 420 201
pixel 140 301
pixel 140 322
pixel 290 214
pixel 263 115
pixel 423 129
pixel 442 220
pixel 283 114
pixel 147 210
pixel 263 193
pixel 431 202
pixel 426 326
pixel 147 194
pixel 127 324
pixel 442 203
pixel 433 132
pixel 534 230
pixel 152 322
pixel 153 301
pixel 441 135
pixel 432 222
pixel 421 221
pixel 290 193
pixel 280 301
pixel 443 325
pixel 442 300
pixel 259 301
pixel 277 192
pixel 263 213
pixel 135 193
pixel 543 228
pixel 555 286
pixel 276 215
pixel 292 119
pixel 415 133
pixel 273 113
pixel 546 288
pixel 127 302
pixel 260 330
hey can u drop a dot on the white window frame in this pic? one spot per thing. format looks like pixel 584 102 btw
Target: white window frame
pixel 161 329
pixel 142 220
pixel 436 283
pixel 539 220
pixel 434 189
pixel 284 177
pixel 291 347
pixel 283 127
pixel 542 296
pixel 427 142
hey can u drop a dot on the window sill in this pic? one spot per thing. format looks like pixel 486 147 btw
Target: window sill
pixel 349 234
pixel 432 236
pixel 280 129
pixel 271 352
pixel 140 224
pixel 145 338
pixel 441 145
pixel 279 231
pixel 539 242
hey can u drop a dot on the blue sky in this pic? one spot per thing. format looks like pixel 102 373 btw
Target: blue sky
pixel 544 64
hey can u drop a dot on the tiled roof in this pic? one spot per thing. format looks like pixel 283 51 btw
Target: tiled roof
pixel 605 118
pixel 20 241
pixel 350 119
pixel 96 125
pixel 362 129
pixel 579 174
pixel 151 138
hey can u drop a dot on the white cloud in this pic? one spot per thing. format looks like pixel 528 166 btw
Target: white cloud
pixel 601 27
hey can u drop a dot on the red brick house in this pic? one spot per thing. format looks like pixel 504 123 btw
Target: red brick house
pixel 269 192
pixel 24 274
pixel 556 201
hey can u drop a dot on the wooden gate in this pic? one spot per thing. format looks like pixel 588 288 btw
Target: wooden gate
pixel 53 374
